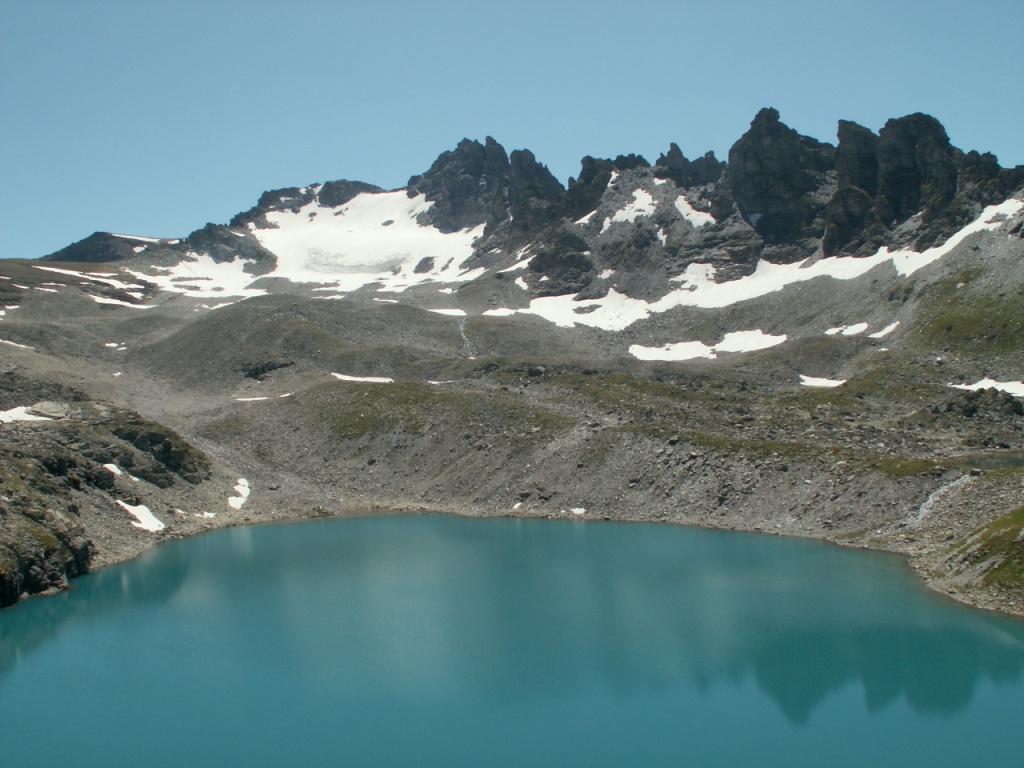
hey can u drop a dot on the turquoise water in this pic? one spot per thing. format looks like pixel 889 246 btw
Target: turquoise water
pixel 440 641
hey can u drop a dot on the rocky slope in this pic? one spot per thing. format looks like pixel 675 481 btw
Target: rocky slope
pixel 764 343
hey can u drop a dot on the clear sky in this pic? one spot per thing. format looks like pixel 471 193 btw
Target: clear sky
pixel 153 117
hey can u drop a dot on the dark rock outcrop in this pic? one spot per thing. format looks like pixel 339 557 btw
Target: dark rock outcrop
pixel 916 169
pixel 584 193
pixel 688 173
pixel 468 185
pixel 534 194
pixel 223 244
pixel 97 248
pixel 781 180
pixel 336 193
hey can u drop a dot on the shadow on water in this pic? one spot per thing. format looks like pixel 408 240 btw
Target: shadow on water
pixel 416 608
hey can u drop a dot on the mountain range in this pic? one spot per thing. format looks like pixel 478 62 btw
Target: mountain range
pixel 805 338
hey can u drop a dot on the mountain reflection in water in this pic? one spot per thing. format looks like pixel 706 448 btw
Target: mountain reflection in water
pixel 416 613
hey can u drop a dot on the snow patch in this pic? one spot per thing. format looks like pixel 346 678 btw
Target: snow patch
pixel 118 303
pixel 242 493
pixel 885 331
pixel 113 469
pixel 146 520
pixel 696 218
pixel 1015 388
pixel 847 330
pixel 452 312
pixel 364 379
pixel 811 381
pixel 21 413
pixel 737 341
pixel 641 205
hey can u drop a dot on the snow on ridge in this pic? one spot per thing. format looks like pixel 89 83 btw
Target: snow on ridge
pixel 697 287
pixel 1015 388
pixel 907 262
pixel 137 237
pixel 375 238
pixel 736 341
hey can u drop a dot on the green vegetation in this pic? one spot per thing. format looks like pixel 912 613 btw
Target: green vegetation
pixel 352 410
pixel 1000 544
pixel 984 324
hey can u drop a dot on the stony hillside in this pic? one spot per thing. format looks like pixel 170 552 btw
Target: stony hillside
pixel 806 339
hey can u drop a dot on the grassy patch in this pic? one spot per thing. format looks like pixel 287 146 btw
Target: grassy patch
pixel 352 410
pixel 952 315
pixel 1001 541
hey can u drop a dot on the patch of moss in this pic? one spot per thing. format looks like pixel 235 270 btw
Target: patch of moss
pixel 1001 541
pixel 41 536
pixel 984 324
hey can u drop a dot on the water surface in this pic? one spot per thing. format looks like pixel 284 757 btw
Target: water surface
pixel 440 641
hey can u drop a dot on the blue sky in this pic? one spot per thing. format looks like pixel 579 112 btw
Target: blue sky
pixel 153 118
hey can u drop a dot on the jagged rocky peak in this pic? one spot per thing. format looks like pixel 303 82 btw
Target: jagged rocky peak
pixel 468 185
pixel 781 182
pixel 857 157
pixel 916 169
pixel 688 173
pixel 584 193
pixel 534 194
pixel 909 168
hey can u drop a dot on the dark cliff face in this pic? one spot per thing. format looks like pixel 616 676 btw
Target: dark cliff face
pixel 916 170
pixel 779 180
pixel 468 185
pixel 534 194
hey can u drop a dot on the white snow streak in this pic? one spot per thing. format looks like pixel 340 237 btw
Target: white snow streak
pixel 147 521
pixel 885 331
pixel 697 287
pixel 737 341
pixel 364 379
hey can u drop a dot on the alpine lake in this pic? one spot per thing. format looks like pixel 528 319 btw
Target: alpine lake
pixel 443 641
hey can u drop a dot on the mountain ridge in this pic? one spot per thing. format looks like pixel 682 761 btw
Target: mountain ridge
pixel 806 338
